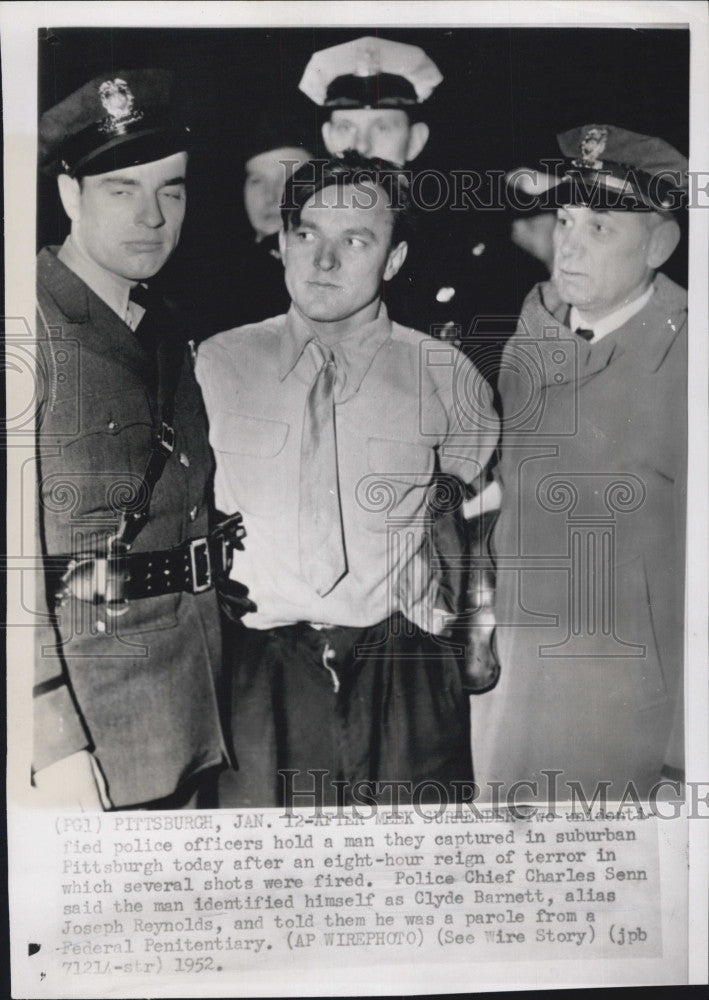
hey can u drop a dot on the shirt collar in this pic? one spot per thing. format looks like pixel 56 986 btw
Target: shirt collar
pixel 113 290
pixel 353 355
pixel 613 321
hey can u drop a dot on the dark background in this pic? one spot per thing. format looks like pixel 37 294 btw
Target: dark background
pixel 506 93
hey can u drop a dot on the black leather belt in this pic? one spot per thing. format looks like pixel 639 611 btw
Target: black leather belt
pixel 122 576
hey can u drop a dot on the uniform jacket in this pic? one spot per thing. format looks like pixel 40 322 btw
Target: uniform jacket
pixel 138 689
pixel 589 547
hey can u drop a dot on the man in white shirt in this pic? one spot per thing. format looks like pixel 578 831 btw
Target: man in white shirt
pixel 590 540
pixel 330 425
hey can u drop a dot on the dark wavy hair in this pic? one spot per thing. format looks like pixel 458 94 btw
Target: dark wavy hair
pixel 351 168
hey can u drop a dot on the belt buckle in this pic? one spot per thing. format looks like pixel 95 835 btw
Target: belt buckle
pixel 166 437
pixel 201 576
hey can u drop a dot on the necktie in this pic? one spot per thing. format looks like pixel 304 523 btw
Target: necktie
pixel 322 549
pixel 141 296
pixel 586 334
pixel 150 326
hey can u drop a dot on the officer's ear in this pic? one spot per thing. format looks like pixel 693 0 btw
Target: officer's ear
pixel 664 237
pixel 70 194
pixel 395 260
pixel 326 131
pixel 418 137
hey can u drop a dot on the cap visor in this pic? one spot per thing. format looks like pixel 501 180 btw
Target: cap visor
pixel 132 150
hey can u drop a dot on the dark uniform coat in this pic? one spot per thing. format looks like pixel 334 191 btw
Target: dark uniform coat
pixel 589 548
pixel 138 689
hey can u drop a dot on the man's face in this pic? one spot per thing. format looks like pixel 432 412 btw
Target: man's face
pixel 337 257
pixel 266 175
pixel 601 259
pixel 128 221
pixel 385 134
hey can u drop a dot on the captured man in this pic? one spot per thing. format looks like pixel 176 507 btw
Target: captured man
pixel 330 425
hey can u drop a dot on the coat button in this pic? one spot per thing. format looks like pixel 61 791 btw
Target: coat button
pixel 100 626
pixel 111 425
pixel 184 460
pixel 193 513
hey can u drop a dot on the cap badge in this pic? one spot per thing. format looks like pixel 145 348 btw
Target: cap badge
pixel 368 61
pixel 118 101
pixel 592 147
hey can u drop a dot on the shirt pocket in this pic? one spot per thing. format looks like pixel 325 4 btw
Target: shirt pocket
pixel 250 461
pixel 399 473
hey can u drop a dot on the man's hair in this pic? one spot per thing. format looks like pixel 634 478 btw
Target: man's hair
pixel 351 168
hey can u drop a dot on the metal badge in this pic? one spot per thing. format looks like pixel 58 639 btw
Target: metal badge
pixel 592 147
pixel 119 103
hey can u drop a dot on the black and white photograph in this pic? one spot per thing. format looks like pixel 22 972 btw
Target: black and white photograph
pixel 356 472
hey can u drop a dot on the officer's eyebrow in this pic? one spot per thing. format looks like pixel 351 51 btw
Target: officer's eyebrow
pixel 132 182
pixel 119 180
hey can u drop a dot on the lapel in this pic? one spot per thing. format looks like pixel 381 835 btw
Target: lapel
pixel 93 323
pixel 566 357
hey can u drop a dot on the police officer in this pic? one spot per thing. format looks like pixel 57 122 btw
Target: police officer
pixel 591 536
pixel 128 652
pixel 251 287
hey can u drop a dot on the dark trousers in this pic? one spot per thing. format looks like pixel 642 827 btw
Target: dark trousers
pixel 375 704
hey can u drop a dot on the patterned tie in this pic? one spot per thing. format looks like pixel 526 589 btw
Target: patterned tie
pixel 586 334
pixel 322 549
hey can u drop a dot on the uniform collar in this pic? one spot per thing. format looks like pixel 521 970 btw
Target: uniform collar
pixel 647 336
pixel 613 321
pixel 114 291
pixel 353 355
pixel 98 326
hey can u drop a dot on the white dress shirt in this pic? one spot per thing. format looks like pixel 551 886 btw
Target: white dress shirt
pixel 613 321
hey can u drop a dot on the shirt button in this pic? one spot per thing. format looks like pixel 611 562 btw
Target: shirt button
pixel 193 513
pixel 184 460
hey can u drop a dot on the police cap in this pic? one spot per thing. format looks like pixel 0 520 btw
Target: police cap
pixel 612 168
pixel 370 73
pixel 116 120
